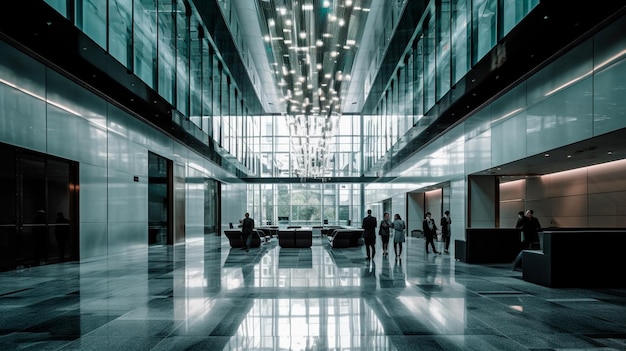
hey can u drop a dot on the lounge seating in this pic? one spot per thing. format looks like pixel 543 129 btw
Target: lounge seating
pixel 296 237
pixel 578 258
pixel 328 229
pixel 341 238
pixel 234 237
pixel 264 233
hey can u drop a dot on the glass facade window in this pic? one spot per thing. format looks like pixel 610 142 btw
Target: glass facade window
pixel 460 36
pixel 207 88
pixel 145 41
pixel 59 5
pixel 513 11
pixel 484 26
pixel 166 50
pixel 418 82
pixel 429 45
pixel 90 17
pixel 443 49
pixel 121 31
pixel 182 23
pixel 196 74
pixel 307 204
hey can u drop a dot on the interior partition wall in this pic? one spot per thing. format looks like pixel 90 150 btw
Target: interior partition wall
pixel 593 196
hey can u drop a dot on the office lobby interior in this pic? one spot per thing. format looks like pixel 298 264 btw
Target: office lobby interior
pixel 135 135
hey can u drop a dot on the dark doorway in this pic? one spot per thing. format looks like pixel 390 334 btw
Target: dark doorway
pixel 159 200
pixel 39 209
pixel 387 208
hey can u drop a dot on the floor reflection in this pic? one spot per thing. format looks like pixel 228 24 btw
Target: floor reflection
pixel 205 296
pixel 310 324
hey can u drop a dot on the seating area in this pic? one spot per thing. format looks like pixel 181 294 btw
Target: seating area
pixel 580 258
pixel 488 245
pixel 234 237
pixel 295 237
pixel 328 229
pixel 298 237
pixel 342 238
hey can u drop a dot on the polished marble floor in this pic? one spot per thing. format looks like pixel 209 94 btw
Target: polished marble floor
pixel 205 296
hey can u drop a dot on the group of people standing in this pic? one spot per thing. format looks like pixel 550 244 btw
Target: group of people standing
pixel 387 229
pixel 396 228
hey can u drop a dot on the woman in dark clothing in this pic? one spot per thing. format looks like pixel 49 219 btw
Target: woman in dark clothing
pixel 385 224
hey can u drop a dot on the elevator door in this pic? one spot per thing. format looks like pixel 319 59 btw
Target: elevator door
pixel 159 200
pixel 38 209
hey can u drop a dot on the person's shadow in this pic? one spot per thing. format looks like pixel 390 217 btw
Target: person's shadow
pixel 368 276
pixel 385 279
pixel 399 278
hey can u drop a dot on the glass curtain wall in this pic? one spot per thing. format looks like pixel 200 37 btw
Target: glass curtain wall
pixel 306 204
pixel 454 35
pixel 164 43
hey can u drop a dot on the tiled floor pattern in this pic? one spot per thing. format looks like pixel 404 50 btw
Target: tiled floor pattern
pixel 205 296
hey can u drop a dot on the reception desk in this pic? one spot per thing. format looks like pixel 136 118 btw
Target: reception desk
pixel 577 258
pixel 488 245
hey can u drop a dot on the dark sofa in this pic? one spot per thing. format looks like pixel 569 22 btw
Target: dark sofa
pixel 342 238
pixel 296 237
pixel 234 237
pixel 581 258
pixel 328 229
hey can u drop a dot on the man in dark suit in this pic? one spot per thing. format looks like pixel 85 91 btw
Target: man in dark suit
pixel 247 225
pixel 369 234
pixel 531 229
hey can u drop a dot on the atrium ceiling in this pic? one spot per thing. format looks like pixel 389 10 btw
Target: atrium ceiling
pixel 305 51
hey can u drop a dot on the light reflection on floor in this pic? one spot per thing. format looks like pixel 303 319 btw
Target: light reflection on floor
pixel 205 296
